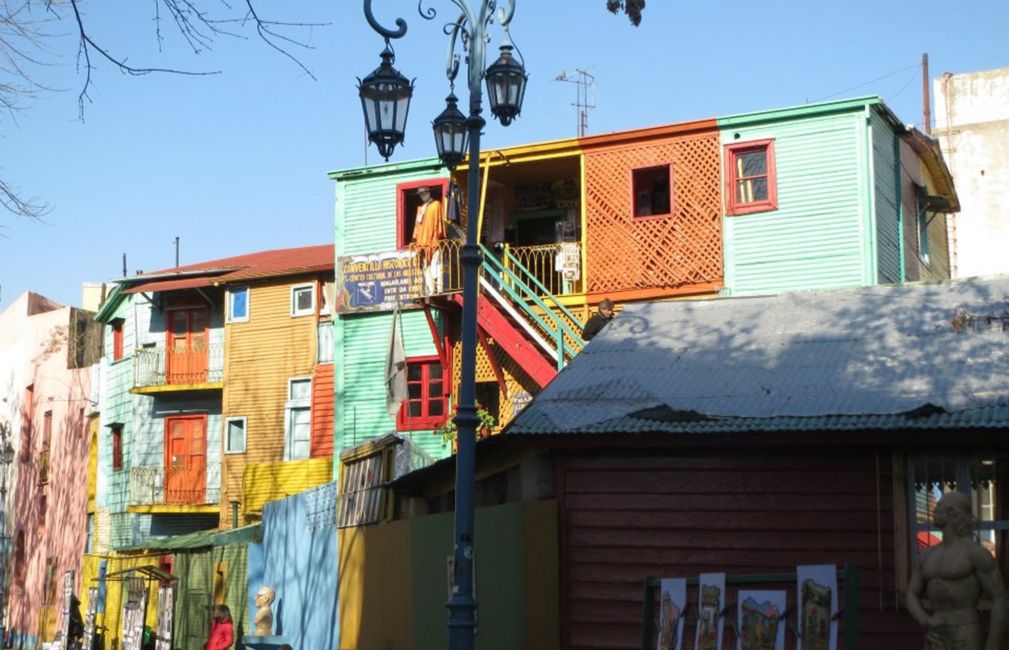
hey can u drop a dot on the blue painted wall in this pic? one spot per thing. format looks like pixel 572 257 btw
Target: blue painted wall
pixel 298 559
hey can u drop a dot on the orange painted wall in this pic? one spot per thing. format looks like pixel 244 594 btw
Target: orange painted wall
pixel 671 252
pixel 322 411
pixel 260 356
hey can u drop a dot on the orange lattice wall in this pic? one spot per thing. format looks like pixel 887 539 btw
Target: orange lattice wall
pixel 626 253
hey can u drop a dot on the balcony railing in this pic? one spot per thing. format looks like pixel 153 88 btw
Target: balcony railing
pixel 199 364
pixel 181 485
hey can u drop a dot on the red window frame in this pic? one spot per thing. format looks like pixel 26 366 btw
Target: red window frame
pixel 733 206
pixel 117 447
pixel 668 167
pixel 403 192
pixel 426 419
pixel 117 339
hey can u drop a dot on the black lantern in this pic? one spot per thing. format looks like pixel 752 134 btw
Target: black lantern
pixel 506 86
pixel 385 97
pixel 450 133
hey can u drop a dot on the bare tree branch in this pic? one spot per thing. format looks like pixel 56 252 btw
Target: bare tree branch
pixel 198 22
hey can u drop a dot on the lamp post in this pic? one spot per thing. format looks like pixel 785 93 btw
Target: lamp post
pixel 384 104
pixel 6 458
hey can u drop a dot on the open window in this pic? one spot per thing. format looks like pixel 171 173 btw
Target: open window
pixel 651 189
pixel 750 177
pixel 407 202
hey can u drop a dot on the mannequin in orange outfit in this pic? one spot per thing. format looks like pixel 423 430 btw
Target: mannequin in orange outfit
pixel 428 231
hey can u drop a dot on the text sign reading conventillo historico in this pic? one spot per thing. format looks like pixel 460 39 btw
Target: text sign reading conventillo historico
pixel 377 282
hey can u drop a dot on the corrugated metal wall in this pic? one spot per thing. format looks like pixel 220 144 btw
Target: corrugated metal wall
pixel 630 516
pixel 886 175
pixel 366 223
pixel 267 482
pixel 817 236
pixel 361 410
pixel 261 356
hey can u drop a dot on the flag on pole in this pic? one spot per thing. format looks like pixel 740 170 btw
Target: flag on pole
pixel 395 369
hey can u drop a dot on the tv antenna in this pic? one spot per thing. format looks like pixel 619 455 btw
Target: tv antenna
pixel 586 88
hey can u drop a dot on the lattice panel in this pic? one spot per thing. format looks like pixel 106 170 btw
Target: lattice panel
pixel 627 252
pixel 515 378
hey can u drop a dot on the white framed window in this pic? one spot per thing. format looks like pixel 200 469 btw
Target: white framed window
pixel 238 305
pixel 234 435
pixel 298 419
pixel 302 299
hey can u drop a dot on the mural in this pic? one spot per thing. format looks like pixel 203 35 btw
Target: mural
pixel 672 605
pixel 817 591
pixel 760 627
pixel 711 593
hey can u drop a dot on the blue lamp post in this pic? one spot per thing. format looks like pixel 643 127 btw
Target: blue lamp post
pixel 455 135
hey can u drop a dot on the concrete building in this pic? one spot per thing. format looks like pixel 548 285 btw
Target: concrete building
pixel 972 125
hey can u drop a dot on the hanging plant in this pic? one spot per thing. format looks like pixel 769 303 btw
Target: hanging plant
pixel 449 432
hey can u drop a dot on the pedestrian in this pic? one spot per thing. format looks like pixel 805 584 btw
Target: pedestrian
pixel 222 630
pixel 598 320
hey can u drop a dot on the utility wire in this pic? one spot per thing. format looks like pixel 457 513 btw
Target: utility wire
pixel 869 83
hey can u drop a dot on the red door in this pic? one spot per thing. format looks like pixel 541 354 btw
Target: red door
pixel 185 459
pixel 187 346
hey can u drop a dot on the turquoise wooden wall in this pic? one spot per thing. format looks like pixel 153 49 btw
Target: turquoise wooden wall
pixel 142 418
pixel 886 201
pixel 819 237
pixel 366 223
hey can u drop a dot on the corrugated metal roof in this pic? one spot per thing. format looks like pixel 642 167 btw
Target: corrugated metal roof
pixel 241 268
pixel 912 356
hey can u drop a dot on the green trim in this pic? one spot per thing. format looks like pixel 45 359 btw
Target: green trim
pixel 111 305
pixel 867 177
pixel 388 169
pixel 900 209
pixel 799 112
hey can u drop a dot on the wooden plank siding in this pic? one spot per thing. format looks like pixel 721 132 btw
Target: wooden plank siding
pixel 322 411
pixel 261 356
pixel 816 238
pixel 886 200
pixel 627 515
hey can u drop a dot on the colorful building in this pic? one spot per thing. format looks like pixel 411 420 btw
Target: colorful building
pixel 838 194
pixel 48 410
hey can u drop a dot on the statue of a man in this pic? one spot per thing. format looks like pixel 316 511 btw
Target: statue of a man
pixel 263 621
pixel 953 576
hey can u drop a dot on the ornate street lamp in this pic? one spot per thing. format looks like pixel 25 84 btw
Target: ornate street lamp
pixel 506 86
pixel 506 82
pixel 451 133
pixel 385 97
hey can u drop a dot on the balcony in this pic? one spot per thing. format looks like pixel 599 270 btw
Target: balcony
pixel 156 369
pixel 182 488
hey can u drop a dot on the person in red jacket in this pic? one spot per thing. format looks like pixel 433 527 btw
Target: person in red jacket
pixel 222 630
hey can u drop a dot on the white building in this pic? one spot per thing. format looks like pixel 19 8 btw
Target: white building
pixel 972 125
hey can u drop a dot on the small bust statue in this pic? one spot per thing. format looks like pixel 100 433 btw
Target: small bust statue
pixel 263 621
pixel 953 576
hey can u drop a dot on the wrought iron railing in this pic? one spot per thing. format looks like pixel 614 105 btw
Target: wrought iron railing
pixel 198 364
pixel 557 267
pixel 180 485
pixel 511 279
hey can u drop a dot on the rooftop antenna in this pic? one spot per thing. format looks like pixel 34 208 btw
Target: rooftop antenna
pixel 176 252
pixel 586 92
pixel 124 265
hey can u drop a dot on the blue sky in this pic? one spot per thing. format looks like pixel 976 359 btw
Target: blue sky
pixel 236 162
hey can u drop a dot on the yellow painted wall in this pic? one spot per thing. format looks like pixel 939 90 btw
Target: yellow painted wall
pixel 261 355
pixel 265 482
pixel 374 590
pixel 114 592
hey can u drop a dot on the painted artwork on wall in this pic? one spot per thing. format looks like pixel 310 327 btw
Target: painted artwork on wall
pixel 166 612
pixel 759 625
pixel 710 602
pixel 672 604
pixel 817 596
